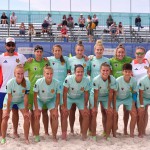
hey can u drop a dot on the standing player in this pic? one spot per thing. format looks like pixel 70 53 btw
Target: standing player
pixel 46 91
pixel 73 61
pixel 35 71
pixel 17 93
pixel 8 62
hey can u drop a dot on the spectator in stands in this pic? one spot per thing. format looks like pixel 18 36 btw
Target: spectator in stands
pixel 22 29
pixel 13 19
pixel 109 21
pixel 70 21
pixel 49 19
pixel 95 20
pixel 4 19
pixel 113 29
pixel 89 28
pixel 45 27
pixel 81 21
pixel 120 28
pixel 64 20
pixel 31 30
pixel 138 23
pixel 64 33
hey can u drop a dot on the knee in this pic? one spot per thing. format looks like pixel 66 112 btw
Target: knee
pixel 134 115
pixel 5 118
pixel 94 114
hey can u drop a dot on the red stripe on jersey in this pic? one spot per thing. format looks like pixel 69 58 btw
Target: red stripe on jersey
pixel 143 61
pixel 7 54
pixel 1 77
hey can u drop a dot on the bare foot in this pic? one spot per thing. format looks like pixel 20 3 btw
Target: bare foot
pixel 64 136
pixel 131 135
pixel 140 136
pixel 15 135
pixel 84 137
pixel 125 132
pixel 27 142
pixel 55 139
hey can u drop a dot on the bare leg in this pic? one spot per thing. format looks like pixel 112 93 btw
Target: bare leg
pixel 15 120
pixel 72 117
pixel 54 124
pixel 145 119
pixel 103 117
pixel 90 121
pixel 45 120
pixel 1 114
pixel 133 121
pixel 37 123
pixel 93 123
pixel 125 119
pixel 115 123
pixel 26 125
pixel 32 121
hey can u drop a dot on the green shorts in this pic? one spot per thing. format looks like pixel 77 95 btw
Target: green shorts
pixel 103 100
pixel 146 102
pixel 78 101
pixel 20 104
pixel 127 102
pixel 30 100
pixel 48 104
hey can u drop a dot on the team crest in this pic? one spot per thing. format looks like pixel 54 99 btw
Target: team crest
pixel 14 91
pixel 84 65
pixel 72 88
pixel 94 65
pixel 65 81
pixel 52 91
pixel 94 84
pixel 62 63
pixel 43 91
pixel 100 87
pixel 17 60
pixel 147 88
pixel 116 65
pixel 53 63
pixel 122 89
pixel 82 89
pixel 5 105
pixel 140 84
pixel 35 68
pixel 23 91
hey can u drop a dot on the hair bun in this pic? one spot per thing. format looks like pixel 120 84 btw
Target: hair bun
pixel 80 42
pixel 99 42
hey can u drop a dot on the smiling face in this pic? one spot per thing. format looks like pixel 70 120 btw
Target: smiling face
pixel 48 74
pixel 105 72
pixel 79 51
pixel 19 74
pixel 140 54
pixel 38 54
pixel 79 72
pixel 120 53
pixel 99 51
pixel 57 51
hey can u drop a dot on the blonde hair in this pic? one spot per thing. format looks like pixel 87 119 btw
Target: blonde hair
pixel 99 43
pixel 23 82
pixel 61 57
pixel 48 68
pixel 119 46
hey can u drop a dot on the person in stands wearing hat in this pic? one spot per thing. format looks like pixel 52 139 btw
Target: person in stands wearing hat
pixel 81 21
pixel 8 61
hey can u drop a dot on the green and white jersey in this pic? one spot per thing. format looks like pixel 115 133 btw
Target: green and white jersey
pixel 75 61
pixel 76 90
pixel 144 84
pixel 46 92
pixel 95 65
pixel 103 86
pixel 118 64
pixel 124 89
pixel 17 90
pixel 60 69
pixel 35 70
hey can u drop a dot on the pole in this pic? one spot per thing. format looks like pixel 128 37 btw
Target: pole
pixel 8 17
pixel 110 6
pixel 70 6
pixel 50 6
pixel 90 6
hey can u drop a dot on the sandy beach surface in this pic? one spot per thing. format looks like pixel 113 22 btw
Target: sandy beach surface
pixel 122 142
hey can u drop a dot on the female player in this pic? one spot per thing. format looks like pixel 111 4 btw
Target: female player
pixel 17 93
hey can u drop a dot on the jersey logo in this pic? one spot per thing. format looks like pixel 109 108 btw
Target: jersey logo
pixel 72 88
pixel 17 60
pixel 65 81
pixel 94 84
pixel 82 89
pixel 140 84
pixel 14 91
pixel 136 69
pixel 116 65
pixel 5 105
pixel 62 63
pixel 35 86
pixel 35 68
pixel 23 91
pixel 43 91
pixel 84 65
pixel 147 88
pixel 52 90
pixel 94 65
pixel 53 63
pixel 100 87
pixel 5 61
pixel 122 89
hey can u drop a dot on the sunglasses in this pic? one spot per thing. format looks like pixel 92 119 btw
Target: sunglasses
pixel 10 44
pixel 38 47
pixel 140 53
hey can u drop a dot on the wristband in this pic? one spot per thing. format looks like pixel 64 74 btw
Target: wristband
pixel 142 106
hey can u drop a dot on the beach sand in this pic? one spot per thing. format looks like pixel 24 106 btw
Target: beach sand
pixel 122 142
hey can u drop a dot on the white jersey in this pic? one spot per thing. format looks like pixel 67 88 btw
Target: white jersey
pixel 7 66
pixel 138 69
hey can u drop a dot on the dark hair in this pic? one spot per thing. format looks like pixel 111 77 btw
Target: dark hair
pixel 61 57
pixel 77 66
pixel 106 65
pixel 79 44
pixel 127 66
pixel 37 47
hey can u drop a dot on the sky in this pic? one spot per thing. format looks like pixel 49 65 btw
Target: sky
pixel 138 6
